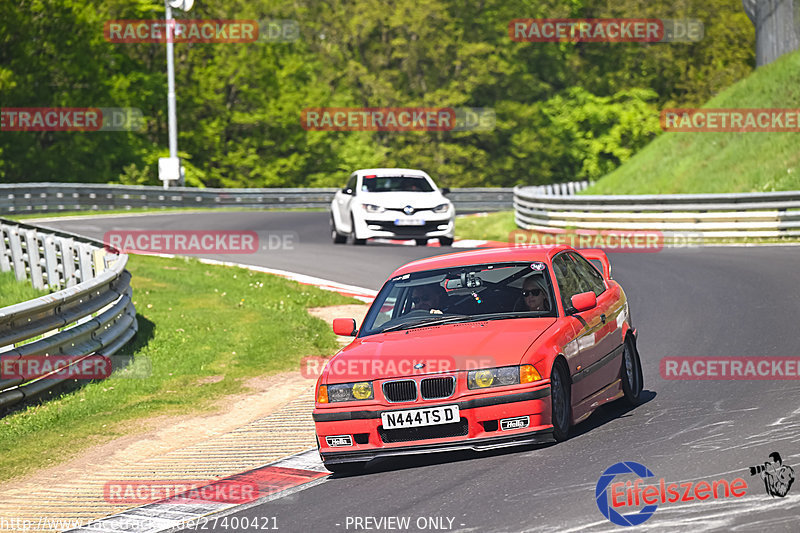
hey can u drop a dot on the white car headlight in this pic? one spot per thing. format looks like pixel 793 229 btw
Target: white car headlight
pixel 441 208
pixel 372 208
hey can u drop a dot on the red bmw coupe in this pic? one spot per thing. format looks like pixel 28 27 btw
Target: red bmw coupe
pixel 478 350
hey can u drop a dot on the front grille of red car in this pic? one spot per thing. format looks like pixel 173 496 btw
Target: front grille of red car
pixel 400 391
pixel 442 431
pixel 433 388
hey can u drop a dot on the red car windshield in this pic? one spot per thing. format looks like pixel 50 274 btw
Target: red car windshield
pixel 463 294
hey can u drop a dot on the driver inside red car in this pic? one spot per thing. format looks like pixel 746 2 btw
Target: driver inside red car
pixel 429 298
pixel 534 296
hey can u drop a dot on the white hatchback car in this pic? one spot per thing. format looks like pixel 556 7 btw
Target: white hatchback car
pixel 395 203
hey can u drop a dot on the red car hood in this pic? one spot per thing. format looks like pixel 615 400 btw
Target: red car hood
pixel 445 348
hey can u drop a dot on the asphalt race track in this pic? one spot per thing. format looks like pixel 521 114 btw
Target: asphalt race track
pixel 309 249
pixel 695 302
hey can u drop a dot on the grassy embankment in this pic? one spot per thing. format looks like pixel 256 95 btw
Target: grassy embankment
pixel 687 163
pixel 721 162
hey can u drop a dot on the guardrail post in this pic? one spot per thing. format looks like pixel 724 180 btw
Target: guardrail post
pixel 5 263
pixel 85 261
pixel 51 263
pixel 99 261
pixel 17 259
pixel 68 261
pixel 34 259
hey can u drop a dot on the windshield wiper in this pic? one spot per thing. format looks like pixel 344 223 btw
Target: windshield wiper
pixel 423 323
pixel 503 316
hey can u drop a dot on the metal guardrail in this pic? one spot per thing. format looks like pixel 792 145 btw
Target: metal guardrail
pixel 91 311
pixel 55 197
pixel 724 216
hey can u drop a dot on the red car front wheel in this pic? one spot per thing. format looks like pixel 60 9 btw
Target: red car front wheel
pixel 560 402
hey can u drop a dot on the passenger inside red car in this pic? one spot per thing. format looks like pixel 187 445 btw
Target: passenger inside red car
pixel 429 298
pixel 534 296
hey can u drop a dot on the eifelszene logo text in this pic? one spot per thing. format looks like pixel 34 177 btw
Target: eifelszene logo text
pixel 613 498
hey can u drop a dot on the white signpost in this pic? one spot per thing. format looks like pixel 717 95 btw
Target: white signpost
pixel 169 168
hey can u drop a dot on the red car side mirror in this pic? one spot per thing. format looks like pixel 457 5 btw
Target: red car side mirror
pixel 346 326
pixel 584 301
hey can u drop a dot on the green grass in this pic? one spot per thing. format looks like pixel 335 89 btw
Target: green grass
pixel 13 291
pixel 721 162
pixel 196 321
pixel 491 227
pixel 138 210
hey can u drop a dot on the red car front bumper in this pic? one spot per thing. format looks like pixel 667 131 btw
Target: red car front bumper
pixel 478 429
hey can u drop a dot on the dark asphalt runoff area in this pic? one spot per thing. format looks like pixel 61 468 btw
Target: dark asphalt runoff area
pixel 721 301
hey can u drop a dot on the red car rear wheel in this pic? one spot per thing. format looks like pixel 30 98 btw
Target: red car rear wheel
pixel 631 373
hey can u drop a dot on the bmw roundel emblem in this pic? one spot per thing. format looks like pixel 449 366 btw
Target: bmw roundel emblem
pixel 419 365
pixel 408 210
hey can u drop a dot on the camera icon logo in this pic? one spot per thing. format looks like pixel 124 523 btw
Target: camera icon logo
pixel 778 477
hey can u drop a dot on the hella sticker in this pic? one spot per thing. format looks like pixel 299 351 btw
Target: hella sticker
pixel 514 423
pixel 339 440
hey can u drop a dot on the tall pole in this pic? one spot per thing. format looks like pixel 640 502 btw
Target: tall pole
pixel 776 28
pixel 171 115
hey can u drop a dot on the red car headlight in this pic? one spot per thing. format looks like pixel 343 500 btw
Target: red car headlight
pixel 528 374
pixel 322 394
pixel 502 376
pixel 348 392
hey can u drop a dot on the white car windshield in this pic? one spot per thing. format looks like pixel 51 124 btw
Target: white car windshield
pixel 461 294
pixel 396 184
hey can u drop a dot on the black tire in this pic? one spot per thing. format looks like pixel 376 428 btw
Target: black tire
pixel 337 237
pixel 560 402
pixel 422 242
pixel 346 468
pixel 631 373
pixel 358 242
pixel 446 241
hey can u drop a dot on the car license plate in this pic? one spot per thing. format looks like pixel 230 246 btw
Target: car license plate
pixel 409 222
pixel 432 416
